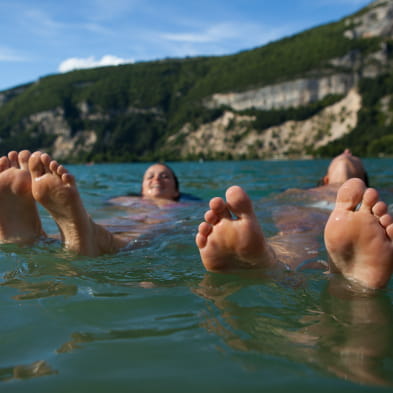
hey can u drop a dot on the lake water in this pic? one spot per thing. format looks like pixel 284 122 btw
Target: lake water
pixel 152 319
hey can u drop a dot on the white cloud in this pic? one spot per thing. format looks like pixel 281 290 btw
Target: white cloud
pixel 226 32
pixel 75 63
pixel 215 33
pixel 9 55
pixel 221 38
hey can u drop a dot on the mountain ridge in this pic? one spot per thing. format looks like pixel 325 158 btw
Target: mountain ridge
pixel 310 94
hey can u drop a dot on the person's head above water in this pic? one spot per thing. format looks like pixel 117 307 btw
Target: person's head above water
pixel 343 167
pixel 160 182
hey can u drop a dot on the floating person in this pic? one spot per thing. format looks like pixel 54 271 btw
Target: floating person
pixel 160 186
pixel 224 242
pixel 26 178
pixel 231 237
pixel 341 168
pixel 252 246
pixel 316 203
pixel 359 242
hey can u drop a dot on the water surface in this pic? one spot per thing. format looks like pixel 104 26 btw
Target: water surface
pixel 152 320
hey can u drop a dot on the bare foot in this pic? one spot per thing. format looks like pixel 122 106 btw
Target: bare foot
pixel 54 187
pixel 228 243
pixel 360 242
pixel 19 219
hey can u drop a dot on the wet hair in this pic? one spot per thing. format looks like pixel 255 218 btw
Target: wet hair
pixel 177 186
pixel 366 179
pixel 173 174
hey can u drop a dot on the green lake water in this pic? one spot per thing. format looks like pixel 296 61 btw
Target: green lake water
pixel 153 320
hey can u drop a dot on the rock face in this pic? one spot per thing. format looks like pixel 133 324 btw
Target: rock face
pixel 376 21
pixel 66 144
pixel 285 95
pixel 232 135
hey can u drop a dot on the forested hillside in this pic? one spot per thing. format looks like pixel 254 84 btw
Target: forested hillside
pixel 150 110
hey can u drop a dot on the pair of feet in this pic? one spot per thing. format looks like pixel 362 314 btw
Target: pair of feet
pixel 359 241
pixel 27 178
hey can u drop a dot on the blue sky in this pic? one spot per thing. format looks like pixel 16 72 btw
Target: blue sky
pixel 43 37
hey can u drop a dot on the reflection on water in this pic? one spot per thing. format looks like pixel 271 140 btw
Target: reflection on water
pixel 151 316
pixel 40 290
pixel 77 339
pixel 36 369
pixel 347 334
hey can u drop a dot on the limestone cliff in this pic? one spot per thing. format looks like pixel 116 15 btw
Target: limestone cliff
pixel 232 135
pixel 286 95
pixel 66 143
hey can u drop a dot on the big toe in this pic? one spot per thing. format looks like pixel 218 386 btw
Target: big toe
pixel 23 158
pixel 350 194
pixel 36 167
pixel 239 202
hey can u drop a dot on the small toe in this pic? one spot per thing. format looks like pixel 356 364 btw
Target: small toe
pixel 369 200
pixel 386 220
pixel 211 217
pixel 23 158
pixel 220 208
pixel 4 163
pixel 389 231
pixel 380 208
pixel 13 158
pixel 204 230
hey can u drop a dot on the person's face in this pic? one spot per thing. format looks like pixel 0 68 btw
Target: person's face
pixel 158 182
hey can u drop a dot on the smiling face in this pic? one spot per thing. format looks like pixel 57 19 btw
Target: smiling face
pixel 159 183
